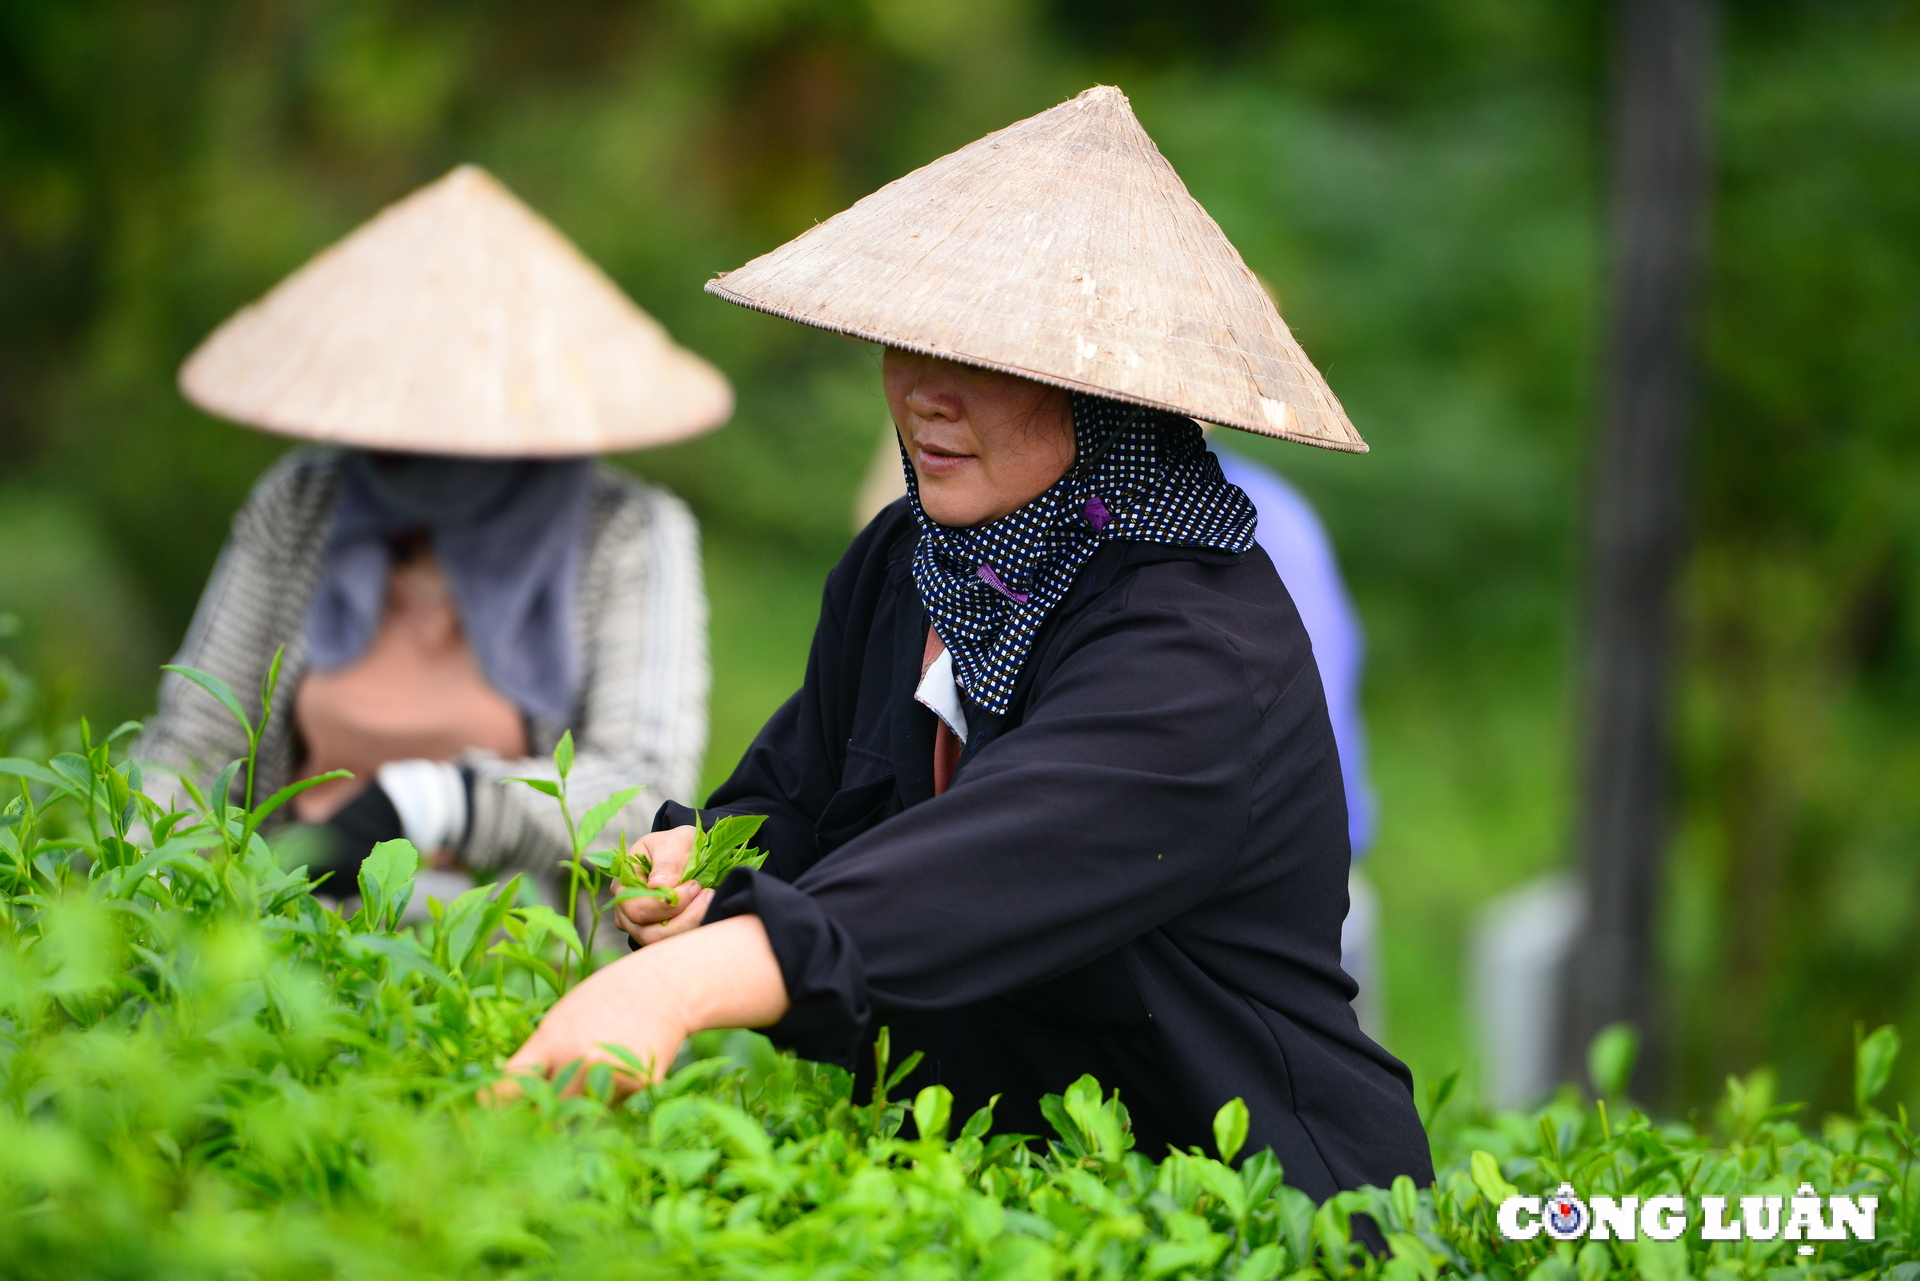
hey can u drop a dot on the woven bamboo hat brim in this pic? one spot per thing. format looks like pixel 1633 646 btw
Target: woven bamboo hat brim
pixel 1064 249
pixel 457 321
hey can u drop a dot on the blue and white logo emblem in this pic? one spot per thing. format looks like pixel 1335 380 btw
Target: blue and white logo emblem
pixel 1566 1215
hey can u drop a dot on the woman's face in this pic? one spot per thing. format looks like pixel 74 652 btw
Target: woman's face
pixel 983 444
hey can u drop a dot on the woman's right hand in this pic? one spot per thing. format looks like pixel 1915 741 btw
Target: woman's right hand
pixel 648 920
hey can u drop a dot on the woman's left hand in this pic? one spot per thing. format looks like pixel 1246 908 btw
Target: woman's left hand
pixel 725 975
pixel 647 920
pixel 625 1004
pixel 651 920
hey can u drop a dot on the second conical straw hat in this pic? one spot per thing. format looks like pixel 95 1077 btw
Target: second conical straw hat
pixel 1065 249
pixel 457 321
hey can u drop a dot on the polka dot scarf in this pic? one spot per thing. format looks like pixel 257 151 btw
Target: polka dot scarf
pixel 1138 474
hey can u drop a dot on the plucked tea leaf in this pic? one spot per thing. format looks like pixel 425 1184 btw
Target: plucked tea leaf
pixel 723 847
pixel 657 893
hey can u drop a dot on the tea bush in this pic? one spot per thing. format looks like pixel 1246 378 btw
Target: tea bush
pixel 206 1071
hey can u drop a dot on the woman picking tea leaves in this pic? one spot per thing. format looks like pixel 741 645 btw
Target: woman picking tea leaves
pixel 1059 794
pixel 455 580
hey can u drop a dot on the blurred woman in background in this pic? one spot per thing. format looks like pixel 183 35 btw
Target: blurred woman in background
pixel 455 581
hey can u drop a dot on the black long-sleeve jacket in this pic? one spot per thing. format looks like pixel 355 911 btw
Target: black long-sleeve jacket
pixel 1138 872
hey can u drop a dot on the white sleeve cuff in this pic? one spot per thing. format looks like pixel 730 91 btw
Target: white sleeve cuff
pixel 431 799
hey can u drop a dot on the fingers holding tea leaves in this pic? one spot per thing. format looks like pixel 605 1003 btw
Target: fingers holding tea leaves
pixel 646 917
pixel 726 845
pixel 667 878
pixel 693 912
pixel 657 860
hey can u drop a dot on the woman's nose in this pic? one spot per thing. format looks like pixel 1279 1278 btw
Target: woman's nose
pixel 930 397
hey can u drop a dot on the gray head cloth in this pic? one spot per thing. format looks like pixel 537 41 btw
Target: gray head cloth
pixel 509 535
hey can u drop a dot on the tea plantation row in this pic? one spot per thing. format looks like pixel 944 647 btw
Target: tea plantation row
pixel 207 1072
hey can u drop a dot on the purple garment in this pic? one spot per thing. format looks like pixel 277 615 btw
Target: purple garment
pixel 1298 545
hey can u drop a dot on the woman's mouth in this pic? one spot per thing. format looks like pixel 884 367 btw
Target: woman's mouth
pixel 935 461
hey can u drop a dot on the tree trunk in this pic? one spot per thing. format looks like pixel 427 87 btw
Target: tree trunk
pixel 1662 67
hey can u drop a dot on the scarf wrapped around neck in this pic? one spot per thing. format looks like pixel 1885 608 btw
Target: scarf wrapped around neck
pixel 509 535
pixel 1138 474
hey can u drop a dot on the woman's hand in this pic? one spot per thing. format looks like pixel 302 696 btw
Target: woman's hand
pixel 649 920
pixel 720 977
pixel 624 1004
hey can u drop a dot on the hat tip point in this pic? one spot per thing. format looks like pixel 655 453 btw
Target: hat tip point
pixel 467 172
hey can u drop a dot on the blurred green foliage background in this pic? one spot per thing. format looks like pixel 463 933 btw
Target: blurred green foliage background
pixel 1421 182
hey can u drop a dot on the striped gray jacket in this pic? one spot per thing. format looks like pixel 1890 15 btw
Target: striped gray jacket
pixel 641 715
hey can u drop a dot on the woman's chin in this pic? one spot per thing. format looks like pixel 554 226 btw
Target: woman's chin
pixel 951 504
pixel 952 519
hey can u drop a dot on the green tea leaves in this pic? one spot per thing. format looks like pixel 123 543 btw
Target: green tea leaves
pixel 933 1112
pixel 1230 1128
pixel 1487 1177
pixel 716 851
pixel 1873 1059
pixel 595 820
pixel 222 692
pixel 723 847
pixel 34 773
pixel 540 917
pixel 1088 1126
pixel 386 882
pixel 1610 1060
pixel 209 1072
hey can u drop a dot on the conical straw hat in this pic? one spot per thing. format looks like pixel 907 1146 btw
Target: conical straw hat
pixel 457 321
pixel 1064 249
